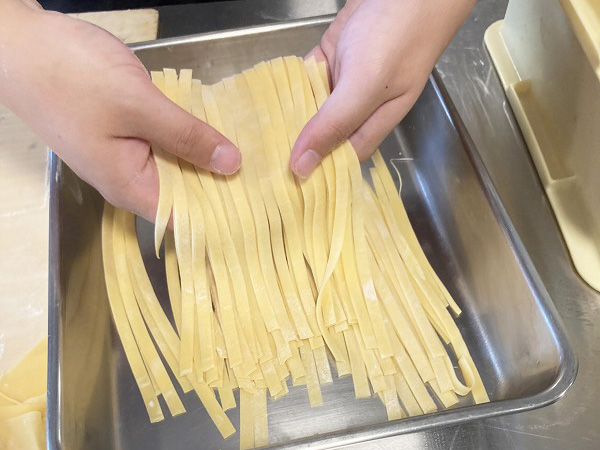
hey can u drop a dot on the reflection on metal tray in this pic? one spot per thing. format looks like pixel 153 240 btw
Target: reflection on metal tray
pixel 509 323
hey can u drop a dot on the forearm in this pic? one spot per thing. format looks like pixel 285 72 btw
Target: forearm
pixel 14 24
pixel 21 31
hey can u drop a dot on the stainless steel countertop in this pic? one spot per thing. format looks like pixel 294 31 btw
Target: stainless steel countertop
pixel 469 76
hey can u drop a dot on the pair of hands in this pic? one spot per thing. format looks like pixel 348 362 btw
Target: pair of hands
pixel 92 101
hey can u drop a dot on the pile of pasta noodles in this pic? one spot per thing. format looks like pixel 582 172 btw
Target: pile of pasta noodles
pixel 267 274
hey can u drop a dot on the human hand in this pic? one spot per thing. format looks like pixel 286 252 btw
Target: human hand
pixel 379 55
pixel 92 101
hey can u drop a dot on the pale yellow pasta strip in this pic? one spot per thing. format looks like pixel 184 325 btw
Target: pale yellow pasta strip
pixel 295 366
pixel 219 268
pixel 283 392
pixel 387 366
pixel 339 278
pixel 263 338
pixel 203 303
pixel 265 100
pixel 357 365
pixel 136 321
pixel 343 368
pixel 401 324
pixel 317 221
pixel 247 225
pixel 249 364
pixel 272 381
pixel 226 394
pixel 448 398
pixel 183 240
pixel 301 115
pixel 122 323
pixel 286 122
pixel 173 281
pixel 322 364
pixel 204 352
pixel 246 420
pixel 165 199
pixel 218 379
pixel 317 253
pixel 268 102
pixel 355 290
pixel 248 134
pixel 387 252
pixel 459 388
pixel 361 254
pixel 236 226
pixel 191 96
pixel 183 247
pixel 372 365
pixel 441 374
pixel 434 310
pixel 360 243
pixel 154 316
pixel 467 367
pixel 406 396
pixel 342 365
pixel 315 397
pixel 159 336
pixel 342 181
pixel 282 372
pixel 155 385
pixel 286 277
pixel 197 101
pixel 473 379
pixel 429 298
pixel 410 374
pixel 390 400
pixel 261 425
pixel 322 67
pixel 341 321
pixel 231 257
pixel 214 410
pixel 407 230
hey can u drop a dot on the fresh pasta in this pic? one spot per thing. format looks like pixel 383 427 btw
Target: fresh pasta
pixel 272 278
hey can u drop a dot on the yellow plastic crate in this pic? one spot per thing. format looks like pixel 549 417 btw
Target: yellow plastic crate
pixel 547 53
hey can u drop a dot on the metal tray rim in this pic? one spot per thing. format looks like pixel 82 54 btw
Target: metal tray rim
pixel 564 377
pixel 233 32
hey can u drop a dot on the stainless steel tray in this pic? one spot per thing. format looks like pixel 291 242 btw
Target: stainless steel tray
pixel 509 323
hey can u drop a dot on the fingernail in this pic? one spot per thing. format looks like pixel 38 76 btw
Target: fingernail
pixel 226 159
pixel 307 163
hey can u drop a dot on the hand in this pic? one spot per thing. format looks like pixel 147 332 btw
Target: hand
pixel 379 55
pixel 92 101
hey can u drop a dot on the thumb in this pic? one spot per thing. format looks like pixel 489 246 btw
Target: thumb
pixel 173 129
pixel 349 105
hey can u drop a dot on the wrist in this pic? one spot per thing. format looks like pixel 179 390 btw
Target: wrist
pixel 19 30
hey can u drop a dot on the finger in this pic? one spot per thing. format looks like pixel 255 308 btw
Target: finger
pixel 332 34
pixel 165 124
pixel 321 56
pixel 350 104
pixel 132 183
pixel 374 130
pixel 317 53
pixel 326 50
